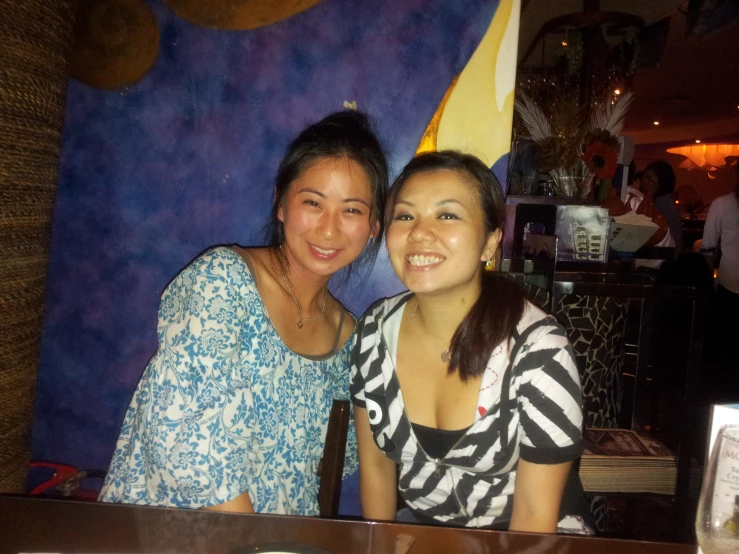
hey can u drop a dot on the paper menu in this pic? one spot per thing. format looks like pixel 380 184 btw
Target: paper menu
pixel 721 414
pixel 582 233
pixel 629 232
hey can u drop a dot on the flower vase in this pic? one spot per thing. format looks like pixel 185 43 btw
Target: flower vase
pixel 572 182
pixel 566 183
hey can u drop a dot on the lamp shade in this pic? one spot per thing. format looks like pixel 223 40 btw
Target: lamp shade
pixel 705 155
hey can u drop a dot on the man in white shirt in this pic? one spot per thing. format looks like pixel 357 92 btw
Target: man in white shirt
pixel 721 232
pixel 722 229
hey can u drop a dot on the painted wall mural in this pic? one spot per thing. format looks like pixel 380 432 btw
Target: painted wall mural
pixel 155 172
pixel 115 42
pixel 238 16
pixel 476 112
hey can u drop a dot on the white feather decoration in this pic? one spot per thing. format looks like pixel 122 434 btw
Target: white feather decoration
pixel 611 118
pixel 533 118
pixel 576 180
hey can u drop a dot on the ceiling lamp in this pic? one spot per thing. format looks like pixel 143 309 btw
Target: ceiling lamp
pixel 708 156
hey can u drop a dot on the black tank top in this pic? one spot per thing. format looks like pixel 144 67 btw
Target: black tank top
pixel 437 442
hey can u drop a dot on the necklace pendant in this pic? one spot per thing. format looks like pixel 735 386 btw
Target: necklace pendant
pixel 300 324
pixel 446 356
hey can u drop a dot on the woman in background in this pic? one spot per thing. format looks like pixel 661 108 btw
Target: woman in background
pixel 460 384
pixel 656 199
pixel 231 412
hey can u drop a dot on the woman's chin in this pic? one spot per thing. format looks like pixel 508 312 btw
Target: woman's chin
pixel 418 286
pixel 327 270
pixel 418 281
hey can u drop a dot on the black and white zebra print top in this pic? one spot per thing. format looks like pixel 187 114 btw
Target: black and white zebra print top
pixel 529 407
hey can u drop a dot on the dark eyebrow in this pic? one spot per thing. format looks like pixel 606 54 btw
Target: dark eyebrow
pixel 346 200
pixel 314 191
pixel 449 201
pixel 439 203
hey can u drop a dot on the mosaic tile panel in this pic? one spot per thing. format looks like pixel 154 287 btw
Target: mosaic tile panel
pixel 538 296
pixel 596 326
pixel 599 510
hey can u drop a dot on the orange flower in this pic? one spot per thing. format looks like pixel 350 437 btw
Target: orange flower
pixel 601 159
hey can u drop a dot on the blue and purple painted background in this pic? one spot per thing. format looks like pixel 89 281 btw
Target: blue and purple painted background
pixel 154 174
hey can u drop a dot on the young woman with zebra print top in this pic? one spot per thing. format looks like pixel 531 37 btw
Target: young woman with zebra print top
pixel 463 387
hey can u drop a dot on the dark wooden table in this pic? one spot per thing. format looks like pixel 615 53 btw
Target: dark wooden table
pixel 40 525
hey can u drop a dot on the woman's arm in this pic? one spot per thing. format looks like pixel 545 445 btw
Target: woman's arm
pixel 240 504
pixel 377 473
pixel 666 206
pixel 537 496
pixel 549 400
pixel 201 317
pixel 648 208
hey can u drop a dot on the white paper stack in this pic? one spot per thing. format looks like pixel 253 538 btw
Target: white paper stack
pixel 629 232
pixel 622 461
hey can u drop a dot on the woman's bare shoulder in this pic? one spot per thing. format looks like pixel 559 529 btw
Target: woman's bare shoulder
pixel 257 259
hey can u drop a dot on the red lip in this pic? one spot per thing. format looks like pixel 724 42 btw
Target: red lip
pixel 320 255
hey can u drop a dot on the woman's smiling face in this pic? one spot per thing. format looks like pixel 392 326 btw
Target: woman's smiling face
pixel 326 216
pixel 437 237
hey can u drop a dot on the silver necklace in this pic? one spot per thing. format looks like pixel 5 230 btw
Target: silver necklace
pixel 300 314
pixel 447 354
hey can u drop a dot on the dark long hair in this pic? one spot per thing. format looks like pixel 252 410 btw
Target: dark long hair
pixel 492 319
pixel 344 134
pixel 665 177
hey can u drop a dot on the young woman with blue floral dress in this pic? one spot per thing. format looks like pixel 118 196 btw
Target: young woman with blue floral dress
pixel 231 412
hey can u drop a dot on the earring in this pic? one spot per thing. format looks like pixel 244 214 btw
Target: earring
pixel 489 265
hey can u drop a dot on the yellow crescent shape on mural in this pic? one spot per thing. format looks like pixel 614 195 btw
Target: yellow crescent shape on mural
pixel 238 15
pixel 476 113
pixel 428 141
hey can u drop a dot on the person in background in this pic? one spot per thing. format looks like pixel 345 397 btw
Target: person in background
pixel 231 412
pixel 721 235
pixel 466 389
pixel 656 199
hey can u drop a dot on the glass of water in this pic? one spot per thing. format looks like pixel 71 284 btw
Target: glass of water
pixel 717 520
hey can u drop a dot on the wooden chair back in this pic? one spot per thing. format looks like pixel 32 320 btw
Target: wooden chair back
pixel 331 468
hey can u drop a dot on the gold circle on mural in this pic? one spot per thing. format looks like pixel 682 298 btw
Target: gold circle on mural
pixel 238 15
pixel 115 42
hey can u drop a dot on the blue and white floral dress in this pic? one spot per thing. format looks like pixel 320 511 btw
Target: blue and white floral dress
pixel 224 406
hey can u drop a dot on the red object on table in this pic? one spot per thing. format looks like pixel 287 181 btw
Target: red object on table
pixel 66 480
